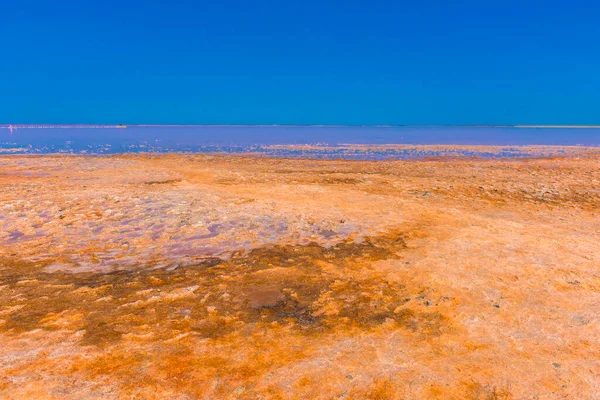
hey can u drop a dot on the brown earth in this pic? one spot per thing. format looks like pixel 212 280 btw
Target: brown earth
pixel 252 278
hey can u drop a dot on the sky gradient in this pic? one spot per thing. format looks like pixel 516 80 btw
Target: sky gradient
pixel 304 62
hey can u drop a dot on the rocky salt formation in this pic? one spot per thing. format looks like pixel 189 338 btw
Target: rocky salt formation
pixel 229 277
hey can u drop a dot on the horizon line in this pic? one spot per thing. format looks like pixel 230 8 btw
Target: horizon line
pixel 121 126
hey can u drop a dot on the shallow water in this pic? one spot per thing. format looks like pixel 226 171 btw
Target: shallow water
pixel 258 139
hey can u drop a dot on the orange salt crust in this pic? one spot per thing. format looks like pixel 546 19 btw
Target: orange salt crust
pixel 183 277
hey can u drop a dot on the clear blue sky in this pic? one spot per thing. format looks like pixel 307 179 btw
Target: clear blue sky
pixel 300 62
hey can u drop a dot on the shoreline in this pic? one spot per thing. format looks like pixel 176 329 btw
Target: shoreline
pixel 358 152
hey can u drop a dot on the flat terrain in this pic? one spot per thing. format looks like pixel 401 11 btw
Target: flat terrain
pixel 207 277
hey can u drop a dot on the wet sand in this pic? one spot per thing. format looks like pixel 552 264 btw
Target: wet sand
pixel 174 276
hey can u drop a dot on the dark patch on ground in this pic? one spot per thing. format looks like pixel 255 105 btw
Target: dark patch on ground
pixel 164 182
pixel 278 284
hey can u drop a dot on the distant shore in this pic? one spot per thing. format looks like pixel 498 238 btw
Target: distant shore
pixel 120 126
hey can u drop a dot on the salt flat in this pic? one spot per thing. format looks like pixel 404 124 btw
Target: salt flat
pixel 195 276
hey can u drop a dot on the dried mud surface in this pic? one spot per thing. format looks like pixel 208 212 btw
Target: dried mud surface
pixel 204 277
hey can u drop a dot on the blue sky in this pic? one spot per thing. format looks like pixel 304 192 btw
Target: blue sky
pixel 300 62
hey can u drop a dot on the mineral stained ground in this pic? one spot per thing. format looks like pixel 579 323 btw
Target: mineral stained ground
pixel 194 276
